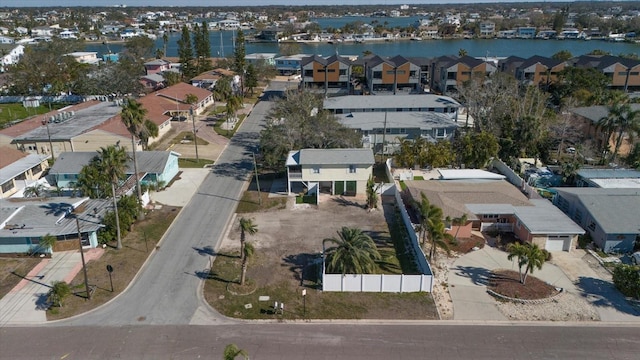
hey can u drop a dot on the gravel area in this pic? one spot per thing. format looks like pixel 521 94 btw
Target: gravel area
pixel 568 307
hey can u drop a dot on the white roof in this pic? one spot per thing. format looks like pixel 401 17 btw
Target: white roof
pixel 617 183
pixel 458 174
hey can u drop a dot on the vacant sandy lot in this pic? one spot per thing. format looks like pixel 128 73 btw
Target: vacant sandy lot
pixel 287 240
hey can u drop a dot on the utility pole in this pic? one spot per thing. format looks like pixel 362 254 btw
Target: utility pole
pixel 46 123
pixel 255 166
pixel 384 133
pixel 84 266
pixel 195 137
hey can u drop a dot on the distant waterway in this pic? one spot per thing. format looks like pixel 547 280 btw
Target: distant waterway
pixel 222 44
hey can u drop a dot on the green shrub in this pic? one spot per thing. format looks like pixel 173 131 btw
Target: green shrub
pixel 584 240
pixel 627 280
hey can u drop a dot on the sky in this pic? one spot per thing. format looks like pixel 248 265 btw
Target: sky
pixel 214 3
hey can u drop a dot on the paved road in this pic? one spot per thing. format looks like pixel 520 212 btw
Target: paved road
pixel 166 290
pixel 323 341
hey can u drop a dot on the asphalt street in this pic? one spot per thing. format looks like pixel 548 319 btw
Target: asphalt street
pixel 165 292
pixel 322 341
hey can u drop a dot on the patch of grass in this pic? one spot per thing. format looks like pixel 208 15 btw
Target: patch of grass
pixel 403 186
pixel 307 199
pixel 319 304
pixel 224 132
pixel 418 177
pixel 13 112
pixel 137 246
pixel 12 270
pixel 254 201
pixel 192 163
pixel 187 136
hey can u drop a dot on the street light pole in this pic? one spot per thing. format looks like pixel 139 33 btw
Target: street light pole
pixel 84 266
pixel 195 138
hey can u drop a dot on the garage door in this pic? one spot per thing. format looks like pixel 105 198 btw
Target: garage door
pixel 558 243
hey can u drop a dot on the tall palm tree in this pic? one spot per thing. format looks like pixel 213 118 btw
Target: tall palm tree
pixel 133 117
pixel 112 161
pixel 246 254
pixel 246 227
pixel 35 190
pixel 627 122
pixel 232 351
pixel 354 252
pixel 429 216
pixel 233 104
pixel 459 221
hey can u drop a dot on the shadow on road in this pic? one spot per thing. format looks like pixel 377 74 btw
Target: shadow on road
pixel 604 294
pixel 33 281
pixel 209 251
pixel 479 276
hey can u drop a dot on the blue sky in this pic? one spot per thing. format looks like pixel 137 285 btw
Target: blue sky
pixel 214 3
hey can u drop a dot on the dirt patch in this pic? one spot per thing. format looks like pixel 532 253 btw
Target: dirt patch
pixel 12 270
pixel 507 283
pixel 287 260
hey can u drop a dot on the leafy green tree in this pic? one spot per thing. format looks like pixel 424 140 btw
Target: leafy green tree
pixel 562 55
pixel 247 227
pixel 353 252
pixel 171 78
pixel 239 61
pixel 247 253
pixel 475 149
pixel 165 42
pixel 128 210
pixel 46 243
pixel 428 214
pixel 139 48
pixel 202 48
pixel 58 292
pixel 297 122
pixel 627 279
pixel 289 48
pixel 222 89
pixel 112 162
pixel 585 85
pixel 251 79
pixel 232 351
pixel 185 53
pixel 133 116
pixel 233 105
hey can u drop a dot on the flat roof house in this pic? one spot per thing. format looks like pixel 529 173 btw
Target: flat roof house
pixel 392 103
pixel 332 171
pixel 610 216
pixel 17 169
pixel 23 222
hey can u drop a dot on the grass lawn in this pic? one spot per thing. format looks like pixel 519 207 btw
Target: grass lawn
pixel 254 201
pixel 187 136
pixel 125 262
pixel 223 292
pixel 12 112
pixel 13 269
pixel 192 163
pixel 224 132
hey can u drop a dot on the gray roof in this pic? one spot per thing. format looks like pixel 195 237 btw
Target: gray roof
pixel 331 157
pixel 82 121
pixel 597 112
pixel 36 217
pixel 425 120
pixel 153 162
pixel 545 218
pixel 615 210
pixel 609 173
pixel 18 167
pixel 389 102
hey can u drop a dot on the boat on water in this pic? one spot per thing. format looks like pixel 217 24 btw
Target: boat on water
pixel 416 38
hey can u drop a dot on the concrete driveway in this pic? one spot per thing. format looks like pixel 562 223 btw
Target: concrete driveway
pixel 468 277
pixel 182 189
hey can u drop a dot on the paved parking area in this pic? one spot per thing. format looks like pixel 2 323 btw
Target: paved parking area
pixel 182 189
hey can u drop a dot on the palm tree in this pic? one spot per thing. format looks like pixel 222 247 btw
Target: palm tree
pixel 429 216
pixel 628 121
pixel 518 251
pixel 439 238
pixel 112 162
pixel 535 259
pixel 233 104
pixel 459 221
pixel 354 252
pixel 46 243
pixel 462 52
pixel 165 41
pixel 246 227
pixel 232 351
pixel 59 291
pixel 246 254
pixel 133 117
pixel 372 194
pixel 35 190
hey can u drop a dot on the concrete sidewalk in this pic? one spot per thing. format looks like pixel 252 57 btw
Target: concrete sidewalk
pixel 468 277
pixel 26 303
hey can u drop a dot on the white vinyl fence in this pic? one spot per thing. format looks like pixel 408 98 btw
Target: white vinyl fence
pixel 387 283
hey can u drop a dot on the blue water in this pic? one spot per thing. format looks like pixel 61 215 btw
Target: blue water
pixel 426 48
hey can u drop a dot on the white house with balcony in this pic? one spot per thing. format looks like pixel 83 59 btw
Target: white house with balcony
pixel 332 171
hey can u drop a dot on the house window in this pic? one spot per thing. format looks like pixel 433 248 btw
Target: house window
pixel 377 74
pixel 592 226
pixel 352 169
pixel 315 170
pixel 343 72
pixel 308 73
pixel 403 131
pixel 440 133
pixel 412 73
